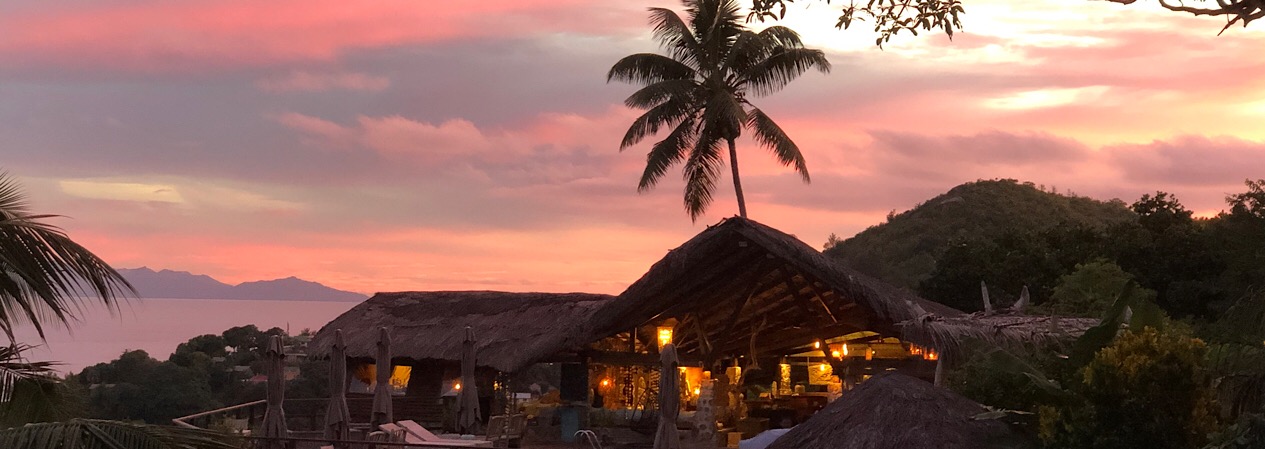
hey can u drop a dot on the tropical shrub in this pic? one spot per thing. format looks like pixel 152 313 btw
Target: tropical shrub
pixel 1147 390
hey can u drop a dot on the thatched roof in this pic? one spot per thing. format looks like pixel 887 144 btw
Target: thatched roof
pixel 1004 327
pixel 895 411
pixel 740 274
pixel 513 330
pixel 736 279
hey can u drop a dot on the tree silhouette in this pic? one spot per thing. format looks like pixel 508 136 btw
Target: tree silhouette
pixel 700 90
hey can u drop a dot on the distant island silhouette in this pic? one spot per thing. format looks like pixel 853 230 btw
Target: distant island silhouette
pixel 185 285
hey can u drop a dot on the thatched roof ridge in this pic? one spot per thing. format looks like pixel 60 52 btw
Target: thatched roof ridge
pixel 885 299
pixel 513 329
pixel 895 411
pixel 1004 327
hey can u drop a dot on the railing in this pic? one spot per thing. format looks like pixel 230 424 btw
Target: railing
pixel 308 414
pixel 247 408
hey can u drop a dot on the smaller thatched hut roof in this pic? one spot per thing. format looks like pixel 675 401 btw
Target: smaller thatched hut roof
pixel 513 329
pixel 895 411
pixel 1004 327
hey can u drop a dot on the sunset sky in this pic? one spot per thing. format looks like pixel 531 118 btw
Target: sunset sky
pixel 427 145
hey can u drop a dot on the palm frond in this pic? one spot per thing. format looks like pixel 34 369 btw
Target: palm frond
pixel 666 114
pixel 702 169
pixel 659 92
pixel 767 133
pixel 780 36
pixel 101 434
pixel 745 50
pixel 783 66
pixel 716 25
pixel 668 152
pixel 44 275
pixel 724 114
pixel 675 36
pixel 15 368
pixel 751 48
pixel 648 68
pixel 12 202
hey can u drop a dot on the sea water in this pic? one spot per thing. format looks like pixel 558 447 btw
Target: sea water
pixel 158 325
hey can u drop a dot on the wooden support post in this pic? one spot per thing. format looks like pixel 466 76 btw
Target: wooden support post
pixel 940 371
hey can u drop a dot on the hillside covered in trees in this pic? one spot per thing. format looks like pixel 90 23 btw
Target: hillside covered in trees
pixel 1011 234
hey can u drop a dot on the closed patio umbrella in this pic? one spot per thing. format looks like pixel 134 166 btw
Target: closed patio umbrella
pixel 382 392
pixel 337 418
pixel 274 424
pixel 669 399
pixel 468 397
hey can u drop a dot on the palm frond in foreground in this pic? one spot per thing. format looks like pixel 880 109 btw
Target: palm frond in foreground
pixel 101 434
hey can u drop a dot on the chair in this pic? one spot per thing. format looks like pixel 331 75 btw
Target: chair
pixel 377 436
pixel 497 430
pixel 415 434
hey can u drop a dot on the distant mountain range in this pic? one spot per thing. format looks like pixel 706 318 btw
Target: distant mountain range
pixel 185 285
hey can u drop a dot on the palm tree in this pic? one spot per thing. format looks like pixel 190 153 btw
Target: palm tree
pixel 700 90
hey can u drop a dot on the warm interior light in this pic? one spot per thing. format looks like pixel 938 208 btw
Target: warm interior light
pixel 845 349
pixel 817 344
pixel 869 353
pixel 697 391
pixel 606 382
pixel 824 367
pixel 836 354
pixel 456 386
pixel 931 355
pixel 665 336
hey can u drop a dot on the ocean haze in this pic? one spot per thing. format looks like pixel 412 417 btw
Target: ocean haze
pixel 157 326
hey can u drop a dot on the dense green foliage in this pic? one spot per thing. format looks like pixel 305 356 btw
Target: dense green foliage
pixel 1148 390
pixel 904 250
pixel 1136 380
pixel 204 373
pixel 1013 235
pixel 1089 289
pixel 700 91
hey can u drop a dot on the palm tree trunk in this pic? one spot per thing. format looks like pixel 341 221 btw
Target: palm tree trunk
pixel 733 164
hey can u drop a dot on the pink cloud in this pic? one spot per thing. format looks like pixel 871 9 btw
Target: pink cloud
pixel 1190 161
pixel 193 35
pixel 302 81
